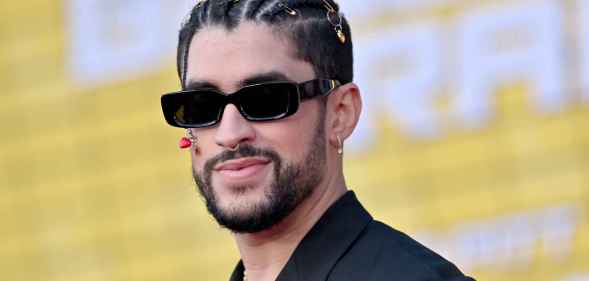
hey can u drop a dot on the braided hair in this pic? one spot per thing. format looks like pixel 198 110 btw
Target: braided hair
pixel 307 24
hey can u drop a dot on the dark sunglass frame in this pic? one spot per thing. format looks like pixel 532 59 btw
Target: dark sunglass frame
pixel 295 94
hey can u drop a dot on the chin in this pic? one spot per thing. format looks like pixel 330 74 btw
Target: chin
pixel 242 200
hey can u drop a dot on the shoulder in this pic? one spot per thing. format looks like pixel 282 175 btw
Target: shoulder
pixel 383 253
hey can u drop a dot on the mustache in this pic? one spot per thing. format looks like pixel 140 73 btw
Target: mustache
pixel 244 150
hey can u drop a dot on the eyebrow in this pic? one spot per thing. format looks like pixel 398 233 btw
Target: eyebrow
pixel 195 85
pixel 271 76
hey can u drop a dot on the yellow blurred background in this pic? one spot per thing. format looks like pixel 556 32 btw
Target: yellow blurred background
pixel 474 138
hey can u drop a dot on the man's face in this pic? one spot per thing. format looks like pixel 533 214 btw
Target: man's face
pixel 278 163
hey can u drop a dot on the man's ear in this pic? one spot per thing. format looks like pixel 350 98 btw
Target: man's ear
pixel 344 107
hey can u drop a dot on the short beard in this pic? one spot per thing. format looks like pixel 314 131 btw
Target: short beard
pixel 292 184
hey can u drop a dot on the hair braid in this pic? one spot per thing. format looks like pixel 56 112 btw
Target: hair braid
pixel 310 32
pixel 251 9
pixel 267 8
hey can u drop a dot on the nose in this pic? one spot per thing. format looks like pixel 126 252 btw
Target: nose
pixel 233 129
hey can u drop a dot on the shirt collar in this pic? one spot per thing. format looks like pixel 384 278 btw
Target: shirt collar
pixel 325 243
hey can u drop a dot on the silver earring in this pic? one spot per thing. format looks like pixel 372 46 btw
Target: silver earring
pixel 340 146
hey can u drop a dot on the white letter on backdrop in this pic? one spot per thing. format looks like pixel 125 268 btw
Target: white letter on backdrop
pixel 517 43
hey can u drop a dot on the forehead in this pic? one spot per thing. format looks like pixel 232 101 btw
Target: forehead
pixel 226 58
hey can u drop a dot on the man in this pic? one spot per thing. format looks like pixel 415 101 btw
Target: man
pixel 268 101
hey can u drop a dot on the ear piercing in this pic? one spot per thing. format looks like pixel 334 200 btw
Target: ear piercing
pixel 340 146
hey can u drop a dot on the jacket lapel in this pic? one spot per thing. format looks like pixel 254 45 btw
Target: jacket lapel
pixel 330 238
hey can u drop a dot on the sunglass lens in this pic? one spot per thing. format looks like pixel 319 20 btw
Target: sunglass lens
pixel 267 101
pixel 196 109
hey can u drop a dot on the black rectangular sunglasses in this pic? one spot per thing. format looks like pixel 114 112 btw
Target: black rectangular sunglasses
pixel 258 102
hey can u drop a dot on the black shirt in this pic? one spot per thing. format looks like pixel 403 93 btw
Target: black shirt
pixel 348 244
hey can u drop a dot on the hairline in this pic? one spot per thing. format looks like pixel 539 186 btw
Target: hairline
pixel 278 30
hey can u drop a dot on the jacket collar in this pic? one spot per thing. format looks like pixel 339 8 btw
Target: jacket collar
pixel 324 244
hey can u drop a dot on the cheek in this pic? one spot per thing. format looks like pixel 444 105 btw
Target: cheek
pixel 207 149
pixel 286 143
pixel 291 137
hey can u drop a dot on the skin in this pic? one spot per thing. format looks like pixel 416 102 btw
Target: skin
pixel 224 59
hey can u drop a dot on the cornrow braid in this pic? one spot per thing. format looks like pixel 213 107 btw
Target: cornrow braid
pixel 253 6
pixel 312 6
pixel 304 23
pixel 268 7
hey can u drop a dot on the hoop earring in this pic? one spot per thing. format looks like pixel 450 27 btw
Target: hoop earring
pixel 340 146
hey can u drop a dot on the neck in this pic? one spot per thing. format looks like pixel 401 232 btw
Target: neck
pixel 265 253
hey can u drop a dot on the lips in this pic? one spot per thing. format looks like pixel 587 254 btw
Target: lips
pixel 242 168
pixel 238 164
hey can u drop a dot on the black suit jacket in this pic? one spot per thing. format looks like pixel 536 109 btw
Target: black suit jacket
pixel 347 244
